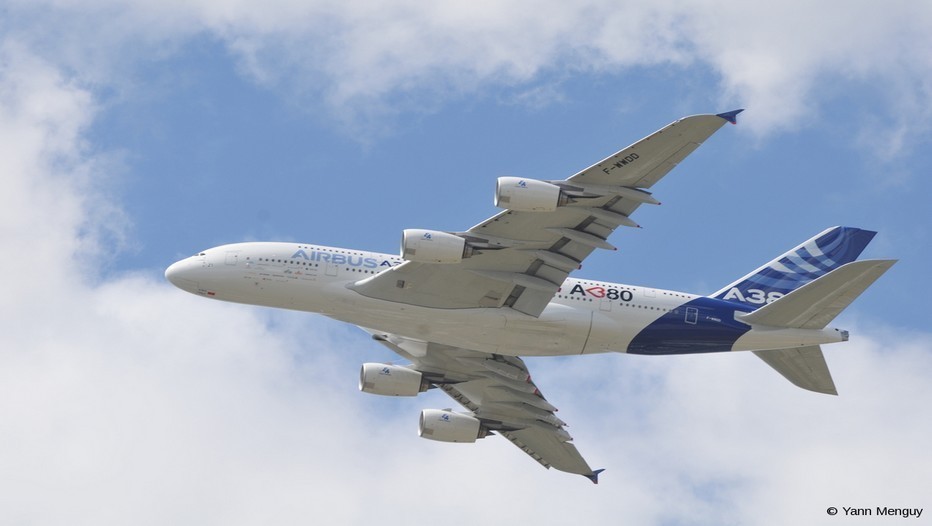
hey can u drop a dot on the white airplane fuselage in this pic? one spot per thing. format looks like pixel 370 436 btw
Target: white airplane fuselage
pixel 584 316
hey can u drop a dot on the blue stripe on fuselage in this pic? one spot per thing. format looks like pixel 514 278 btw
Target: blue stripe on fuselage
pixel 715 329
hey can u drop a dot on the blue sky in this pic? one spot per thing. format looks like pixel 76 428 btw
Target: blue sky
pixel 131 144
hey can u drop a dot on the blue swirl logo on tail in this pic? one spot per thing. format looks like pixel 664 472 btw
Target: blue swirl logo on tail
pixel 813 259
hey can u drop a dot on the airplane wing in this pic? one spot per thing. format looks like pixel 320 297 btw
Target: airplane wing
pixel 519 259
pixel 498 390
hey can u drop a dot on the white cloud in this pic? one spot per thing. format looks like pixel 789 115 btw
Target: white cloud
pixel 375 58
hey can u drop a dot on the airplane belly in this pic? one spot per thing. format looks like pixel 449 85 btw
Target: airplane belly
pixel 560 330
pixel 610 333
pixel 475 329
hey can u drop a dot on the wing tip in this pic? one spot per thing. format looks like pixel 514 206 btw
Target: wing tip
pixel 730 116
pixel 594 476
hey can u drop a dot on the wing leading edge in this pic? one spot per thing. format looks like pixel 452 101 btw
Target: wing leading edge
pixel 497 390
pixel 519 259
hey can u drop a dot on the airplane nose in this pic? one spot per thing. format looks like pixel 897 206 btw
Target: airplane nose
pixel 172 272
pixel 177 274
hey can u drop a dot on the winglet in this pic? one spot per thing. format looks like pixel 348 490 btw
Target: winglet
pixel 731 116
pixel 594 476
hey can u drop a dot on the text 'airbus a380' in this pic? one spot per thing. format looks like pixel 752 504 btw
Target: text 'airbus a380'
pixel 463 306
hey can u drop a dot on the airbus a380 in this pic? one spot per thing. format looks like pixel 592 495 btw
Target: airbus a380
pixel 462 307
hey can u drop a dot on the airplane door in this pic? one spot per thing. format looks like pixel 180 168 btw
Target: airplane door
pixel 605 305
pixel 692 315
pixel 232 258
pixel 332 269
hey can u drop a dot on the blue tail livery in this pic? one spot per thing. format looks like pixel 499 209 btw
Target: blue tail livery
pixel 811 260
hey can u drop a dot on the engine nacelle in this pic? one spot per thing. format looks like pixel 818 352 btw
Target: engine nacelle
pixel 528 195
pixel 431 246
pixel 447 426
pixel 391 380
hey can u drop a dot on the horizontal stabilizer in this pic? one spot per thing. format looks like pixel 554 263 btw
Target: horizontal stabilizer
pixel 809 261
pixel 818 302
pixel 805 367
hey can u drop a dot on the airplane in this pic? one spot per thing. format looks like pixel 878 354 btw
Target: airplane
pixel 463 307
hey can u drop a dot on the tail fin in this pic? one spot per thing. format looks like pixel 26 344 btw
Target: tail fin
pixel 811 260
pixel 806 288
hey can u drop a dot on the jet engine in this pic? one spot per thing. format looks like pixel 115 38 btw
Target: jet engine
pixel 391 380
pixel 431 246
pixel 446 426
pixel 528 195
